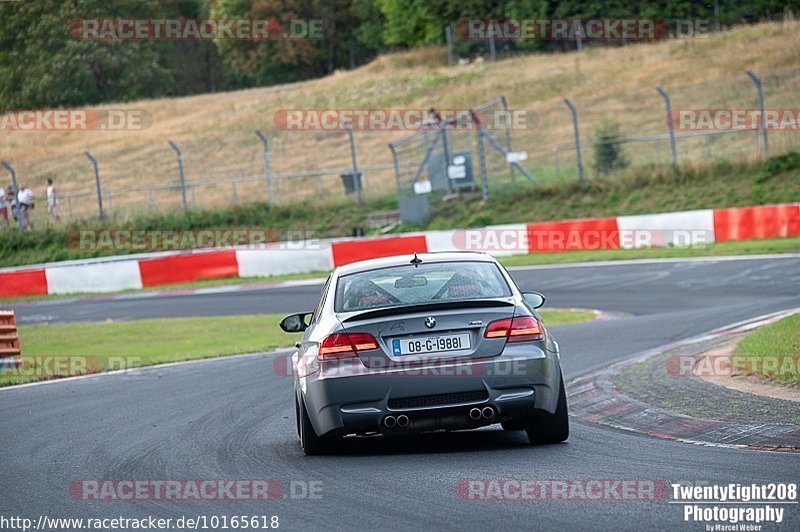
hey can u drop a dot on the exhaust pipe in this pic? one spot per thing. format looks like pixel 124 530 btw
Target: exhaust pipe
pixel 402 420
pixel 475 413
pixel 389 421
pixel 487 412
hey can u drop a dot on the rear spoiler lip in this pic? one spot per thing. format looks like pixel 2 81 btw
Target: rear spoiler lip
pixel 406 309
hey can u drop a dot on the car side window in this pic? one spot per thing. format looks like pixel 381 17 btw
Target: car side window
pixel 321 301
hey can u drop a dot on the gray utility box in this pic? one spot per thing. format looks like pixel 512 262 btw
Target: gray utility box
pixel 414 209
pixel 349 182
pixel 437 170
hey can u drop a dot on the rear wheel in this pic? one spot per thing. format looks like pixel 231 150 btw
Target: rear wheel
pixel 551 428
pixel 297 414
pixel 312 444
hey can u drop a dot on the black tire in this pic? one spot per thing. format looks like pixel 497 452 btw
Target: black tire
pixel 312 444
pixel 551 428
pixel 297 414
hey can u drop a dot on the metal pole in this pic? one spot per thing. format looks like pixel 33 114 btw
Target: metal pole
pixel 179 155
pixel 760 91
pixel 13 173
pixel 267 169
pixel 446 152
pixel 574 112
pixel 448 37
pixel 492 49
pixel 668 105
pixel 356 185
pixel 508 120
pixel 482 164
pixel 97 184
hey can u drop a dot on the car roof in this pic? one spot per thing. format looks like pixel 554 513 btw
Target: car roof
pixel 405 259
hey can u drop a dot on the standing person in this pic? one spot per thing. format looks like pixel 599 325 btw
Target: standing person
pixel 52 199
pixel 24 205
pixel 3 205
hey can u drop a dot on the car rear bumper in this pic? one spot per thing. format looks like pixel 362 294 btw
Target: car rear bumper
pixel 515 384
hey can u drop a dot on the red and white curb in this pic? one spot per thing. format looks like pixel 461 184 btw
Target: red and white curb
pixel 118 273
pixel 593 399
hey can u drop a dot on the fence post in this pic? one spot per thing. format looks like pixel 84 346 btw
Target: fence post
pixel 179 155
pixel 574 112
pixel 760 91
pixel 356 185
pixel 446 152
pixel 448 37
pixel 396 165
pixel 267 169
pixel 97 183
pixel 492 49
pixel 668 105
pixel 13 173
pixel 482 164
pixel 508 120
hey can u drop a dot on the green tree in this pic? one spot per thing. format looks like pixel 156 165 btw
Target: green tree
pixel 42 64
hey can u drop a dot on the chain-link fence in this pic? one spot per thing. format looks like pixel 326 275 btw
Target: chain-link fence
pixel 478 149
pixel 451 154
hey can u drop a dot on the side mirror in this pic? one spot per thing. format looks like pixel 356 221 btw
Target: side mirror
pixel 295 323
pixel 534 299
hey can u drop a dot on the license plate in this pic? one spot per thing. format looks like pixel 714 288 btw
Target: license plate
pixel 432 344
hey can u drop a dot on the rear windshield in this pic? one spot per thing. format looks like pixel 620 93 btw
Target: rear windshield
pixel 428 283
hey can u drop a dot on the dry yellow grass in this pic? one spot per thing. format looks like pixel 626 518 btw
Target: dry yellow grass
pixel 216 130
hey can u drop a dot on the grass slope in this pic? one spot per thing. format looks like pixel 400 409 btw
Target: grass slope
pixel 215 131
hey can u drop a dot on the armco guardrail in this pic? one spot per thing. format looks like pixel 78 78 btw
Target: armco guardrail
pixel 110 274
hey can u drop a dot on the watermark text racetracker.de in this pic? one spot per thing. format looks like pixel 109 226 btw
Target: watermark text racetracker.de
pixel 537 490
pixel 183 29
pixel 396 119
pixel 734 365
pixel 525 238
pixel 203 489
pixel 177 239
pixel 571 29
pixel 734 119
pixel 42 367
pixel 76 120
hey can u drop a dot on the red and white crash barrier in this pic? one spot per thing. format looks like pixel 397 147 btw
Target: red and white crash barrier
pixel 626 232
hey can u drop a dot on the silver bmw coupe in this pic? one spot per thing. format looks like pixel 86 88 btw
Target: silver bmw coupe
pixel 429 342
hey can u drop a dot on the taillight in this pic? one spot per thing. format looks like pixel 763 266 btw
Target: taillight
pixel 345 345
pixel 520 329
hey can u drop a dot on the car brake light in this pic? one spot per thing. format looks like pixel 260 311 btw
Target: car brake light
pixel 520 329
pixel 498 329
pixel 345 345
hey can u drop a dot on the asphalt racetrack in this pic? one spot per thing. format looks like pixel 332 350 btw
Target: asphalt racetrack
pixel 234 418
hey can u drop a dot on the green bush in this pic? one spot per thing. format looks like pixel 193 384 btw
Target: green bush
pixel 608 155
pixel 782 163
